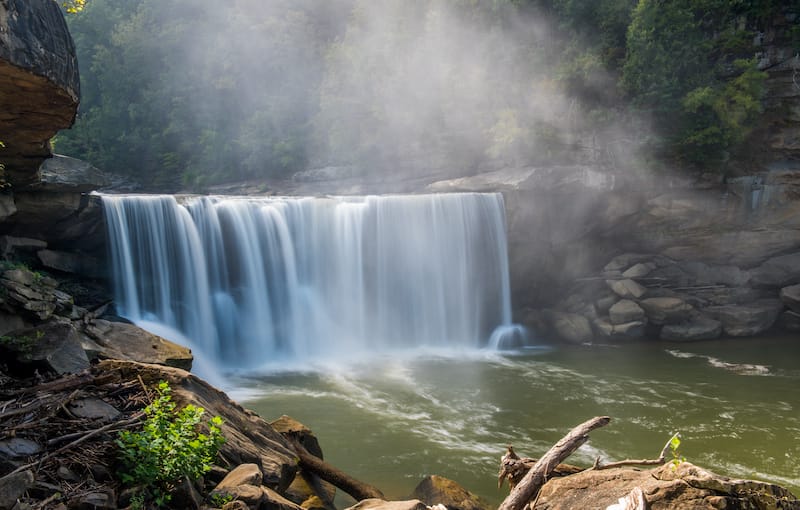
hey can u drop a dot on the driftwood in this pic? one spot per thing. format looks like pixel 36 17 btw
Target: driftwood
pixel 662 458
pixel 527 489
pixel 513 468
pixel 357 489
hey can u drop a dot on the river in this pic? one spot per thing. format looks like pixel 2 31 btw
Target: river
pixel 392 419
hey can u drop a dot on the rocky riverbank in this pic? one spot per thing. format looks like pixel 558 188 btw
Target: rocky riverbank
pixel 72 378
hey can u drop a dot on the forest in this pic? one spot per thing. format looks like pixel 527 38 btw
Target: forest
pixel 183 94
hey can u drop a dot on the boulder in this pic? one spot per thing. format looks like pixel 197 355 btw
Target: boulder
pixel 19 447
pixel 639 270
pixel 437 490
pixel 243 474
pixel 790 321
pixel 288 425
pixel 747 320
pixel 74 263
pixel 698 327
pixel 685 487
pixel 121 340
pixel 666 310
pixel 626 289
pixel 93 409
pixel 39 84
pixel 12 488
pixel 626 260
pixel 54 346
pixel 571 327
pixel 791 297
pixel 778 271
pixel 379 504
pixel 624 311
pixel 63 173
pixel 620 332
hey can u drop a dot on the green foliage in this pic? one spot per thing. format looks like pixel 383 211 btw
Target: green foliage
pixel 682 66
pixel 73 6
pixel 168 448
pixel 674 445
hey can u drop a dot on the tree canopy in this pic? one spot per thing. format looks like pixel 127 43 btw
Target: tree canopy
pixel 188 93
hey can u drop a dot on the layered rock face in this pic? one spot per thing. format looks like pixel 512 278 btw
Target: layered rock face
pixel 39 84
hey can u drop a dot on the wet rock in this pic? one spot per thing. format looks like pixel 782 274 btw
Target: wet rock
pixel 93 409
pixel 12 487
pixel 778 271
pixel 274 501
pixel 666 310
pixel 626 289
pixel 18 447
pixel 379 504
pixel 572 327
pixel 120 340
pixel 791 297
pixel 625 311
pixel 244 474
pixel 235 505
pixel 433 490
pixel 699 327
pixel 747 320
pixel 686 488
pixel 252 495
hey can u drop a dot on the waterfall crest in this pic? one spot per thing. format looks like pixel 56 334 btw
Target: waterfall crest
pixel 252 280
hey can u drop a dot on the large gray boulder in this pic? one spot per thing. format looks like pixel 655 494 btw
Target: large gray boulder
pixel 624 311
pixel 791 297
pixel 699 327
pixel 571 327
pixel 666 310
pixel 66 174
pixel 39 84
pixel 778 271
pixel 54 346
pixel 626 289
pixel 620 332
pixel 747 320
pixel 124 341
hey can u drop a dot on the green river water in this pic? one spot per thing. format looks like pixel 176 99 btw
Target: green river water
pixel 391 420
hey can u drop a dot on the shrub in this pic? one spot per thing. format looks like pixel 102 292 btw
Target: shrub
pixel 168 448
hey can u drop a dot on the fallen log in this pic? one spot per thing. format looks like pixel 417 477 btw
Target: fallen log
pixel 357 489
pixel 662 458
pixel 528 488
pixel 513 468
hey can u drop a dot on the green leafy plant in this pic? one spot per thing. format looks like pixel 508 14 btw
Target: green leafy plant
pixel 169 447
pixel 219 499
pixel 677 458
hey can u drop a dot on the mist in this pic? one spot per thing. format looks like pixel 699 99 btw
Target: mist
pixel 188 94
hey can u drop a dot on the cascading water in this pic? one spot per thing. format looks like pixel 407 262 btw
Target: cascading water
pixel 251 280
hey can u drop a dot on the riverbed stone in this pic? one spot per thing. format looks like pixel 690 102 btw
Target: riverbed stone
pixel 624 311
pixel 778 271
pixel 619 332
pixel 626 289
pixel 685 487
pixel 666 310
pixel 791 297
pixel 572 327
pixel 19 447
pixel 93 409
pixel 747 320
pixel 698 327
pixel 437 490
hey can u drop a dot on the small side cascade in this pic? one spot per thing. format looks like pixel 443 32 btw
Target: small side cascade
pixel 254 280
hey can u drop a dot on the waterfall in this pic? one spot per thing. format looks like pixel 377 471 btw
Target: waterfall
pixel 251 280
